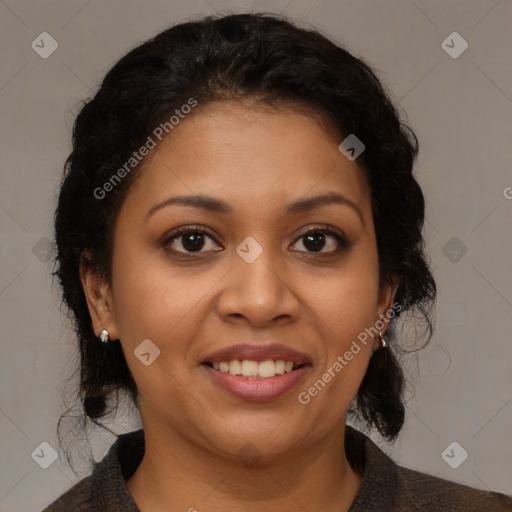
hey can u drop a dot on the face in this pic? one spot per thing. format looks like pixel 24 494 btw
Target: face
pixel 248 273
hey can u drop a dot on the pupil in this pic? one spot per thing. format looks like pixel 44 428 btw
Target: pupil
pixel 197 241
pixel 315 241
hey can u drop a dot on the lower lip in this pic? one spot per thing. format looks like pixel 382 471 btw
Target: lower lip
pixel 257 389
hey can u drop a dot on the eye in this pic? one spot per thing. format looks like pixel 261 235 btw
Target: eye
pixel 193 239
pixel 320 237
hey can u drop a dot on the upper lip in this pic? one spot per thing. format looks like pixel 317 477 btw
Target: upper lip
pixel 258 353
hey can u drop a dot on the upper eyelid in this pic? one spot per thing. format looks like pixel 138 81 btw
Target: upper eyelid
pixel 329 230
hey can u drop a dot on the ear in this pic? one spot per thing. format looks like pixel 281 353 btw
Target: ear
pixel 99 300
pixel 385 304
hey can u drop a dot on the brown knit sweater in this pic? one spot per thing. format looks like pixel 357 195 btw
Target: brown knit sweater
pixel 385 485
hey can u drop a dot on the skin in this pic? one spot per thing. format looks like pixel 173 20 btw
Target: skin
pixel 257 161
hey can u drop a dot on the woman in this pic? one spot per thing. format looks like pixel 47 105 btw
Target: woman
pixel 238 232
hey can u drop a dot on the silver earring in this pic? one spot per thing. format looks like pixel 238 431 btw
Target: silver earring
pixel 104 336
pixel 383 343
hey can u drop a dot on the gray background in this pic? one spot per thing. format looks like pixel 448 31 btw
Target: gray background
pixel 461 111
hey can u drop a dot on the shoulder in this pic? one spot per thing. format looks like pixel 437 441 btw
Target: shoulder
pixel 105 488
pixel 78 499
pixel 388 487
pixel 421 491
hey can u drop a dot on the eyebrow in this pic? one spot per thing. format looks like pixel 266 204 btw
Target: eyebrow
pixel 215 205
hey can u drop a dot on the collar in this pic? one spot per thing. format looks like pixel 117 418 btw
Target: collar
pixel 378 486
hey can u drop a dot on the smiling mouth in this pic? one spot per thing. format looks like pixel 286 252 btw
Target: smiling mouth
pixel 249 369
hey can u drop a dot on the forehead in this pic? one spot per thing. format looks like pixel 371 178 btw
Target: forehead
pixel 254 159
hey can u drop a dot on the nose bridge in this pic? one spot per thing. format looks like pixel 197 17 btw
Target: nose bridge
pixel 258 265
pixel 257 288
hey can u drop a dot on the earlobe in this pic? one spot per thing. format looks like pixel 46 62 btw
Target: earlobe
pixel 99 300
pixel 386 302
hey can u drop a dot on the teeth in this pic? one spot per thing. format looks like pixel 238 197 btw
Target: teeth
pixel 235 367
pixel 266 368
pixel 249 368
pixel 246 368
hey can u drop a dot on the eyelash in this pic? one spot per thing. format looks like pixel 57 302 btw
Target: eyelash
pixel 343 243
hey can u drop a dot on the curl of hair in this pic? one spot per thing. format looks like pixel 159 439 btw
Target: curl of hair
pixel 268 60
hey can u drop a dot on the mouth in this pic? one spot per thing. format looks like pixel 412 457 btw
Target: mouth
pixel 251 369
pixel 257 372
pixel 256 380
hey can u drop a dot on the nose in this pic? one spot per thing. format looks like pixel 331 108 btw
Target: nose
pixel 259 293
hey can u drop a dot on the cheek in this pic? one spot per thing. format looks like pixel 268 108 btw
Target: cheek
pixel 167 306
pixel 335 384
pixel 151 297
pixel 347 301
pixel 156 303
pixel 346 307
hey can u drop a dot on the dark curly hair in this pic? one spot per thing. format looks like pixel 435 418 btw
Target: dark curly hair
pixel 267 59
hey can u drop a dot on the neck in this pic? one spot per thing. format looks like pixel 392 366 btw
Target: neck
pixel 177 474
